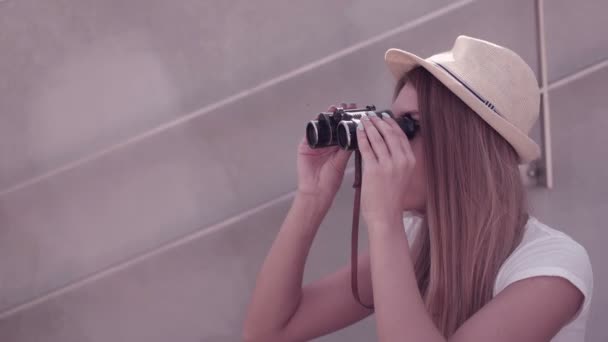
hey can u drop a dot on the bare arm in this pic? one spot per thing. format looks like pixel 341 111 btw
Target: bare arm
pixel 533 309
pixel 280 309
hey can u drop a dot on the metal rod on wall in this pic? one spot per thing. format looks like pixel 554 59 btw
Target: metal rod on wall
pixel 544 171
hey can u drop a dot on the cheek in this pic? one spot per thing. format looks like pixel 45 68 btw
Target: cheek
pixel 416 191
pixel 419 172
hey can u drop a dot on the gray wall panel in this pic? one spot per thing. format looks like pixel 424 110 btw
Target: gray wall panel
pixel 80 76
pixel 85 75
pixel 576 35
pixel 578 202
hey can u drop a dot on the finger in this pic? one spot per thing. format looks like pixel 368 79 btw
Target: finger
pixel 352 105
pixel 394 124
pixel 344 105
pixel 332 108
pixel 390 135
pixel 403 139
pixel 367 154
pixel 405 142
pixel 376 141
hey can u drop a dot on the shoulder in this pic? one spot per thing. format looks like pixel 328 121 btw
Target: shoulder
pixel 545 251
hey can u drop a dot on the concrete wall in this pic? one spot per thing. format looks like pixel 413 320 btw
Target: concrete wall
pixel 148 147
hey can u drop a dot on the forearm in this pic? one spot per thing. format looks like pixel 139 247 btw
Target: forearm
pixel 279 282
pixel 400 311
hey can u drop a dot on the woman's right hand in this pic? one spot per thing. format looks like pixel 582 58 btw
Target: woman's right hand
pixel 321 170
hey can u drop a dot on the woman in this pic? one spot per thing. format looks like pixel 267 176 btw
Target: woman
pixel 453 254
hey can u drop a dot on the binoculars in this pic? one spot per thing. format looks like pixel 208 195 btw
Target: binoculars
pixel 340 127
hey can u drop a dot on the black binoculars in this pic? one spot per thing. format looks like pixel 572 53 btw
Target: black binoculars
pixel 339 127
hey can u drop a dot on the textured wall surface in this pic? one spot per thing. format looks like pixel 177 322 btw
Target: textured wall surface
pixel 148 147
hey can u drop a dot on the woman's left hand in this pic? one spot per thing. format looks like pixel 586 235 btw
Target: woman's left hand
pixel 388 162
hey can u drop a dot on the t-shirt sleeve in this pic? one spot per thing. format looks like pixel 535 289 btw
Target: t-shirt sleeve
pixel 411 224
pixel 558 256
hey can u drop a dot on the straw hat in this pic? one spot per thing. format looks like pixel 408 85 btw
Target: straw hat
pixel 494 81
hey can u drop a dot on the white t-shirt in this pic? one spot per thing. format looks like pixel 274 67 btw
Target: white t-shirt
pixel 543 251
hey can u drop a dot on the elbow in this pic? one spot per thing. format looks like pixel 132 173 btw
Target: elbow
pixel 261 330
pixel 250 333
pixel 249 336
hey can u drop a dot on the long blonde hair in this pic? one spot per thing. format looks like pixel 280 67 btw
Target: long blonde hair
pixel 476 205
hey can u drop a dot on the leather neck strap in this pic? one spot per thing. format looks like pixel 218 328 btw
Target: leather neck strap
pixel 355 230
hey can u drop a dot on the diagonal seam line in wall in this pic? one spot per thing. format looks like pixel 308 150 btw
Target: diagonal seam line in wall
pixel 240 95
pixel 577 75
pixel 155 251
pixel 227 222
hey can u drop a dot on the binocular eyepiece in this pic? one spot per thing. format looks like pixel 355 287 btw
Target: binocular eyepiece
pixel 340 127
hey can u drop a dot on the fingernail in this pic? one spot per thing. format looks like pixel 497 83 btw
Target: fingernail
pixel 365 117
pixel 360 125
pixel 385 115
pixel 370 113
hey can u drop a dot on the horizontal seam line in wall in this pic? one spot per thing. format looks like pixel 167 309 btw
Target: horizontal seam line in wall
pixel 240 95
pixel 216 227
pixel 134 260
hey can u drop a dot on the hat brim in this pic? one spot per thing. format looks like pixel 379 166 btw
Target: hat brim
pixel 400 62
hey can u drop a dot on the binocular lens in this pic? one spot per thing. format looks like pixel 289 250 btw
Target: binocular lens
pixel 318 133
pixel 312 133
pixel 347 134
